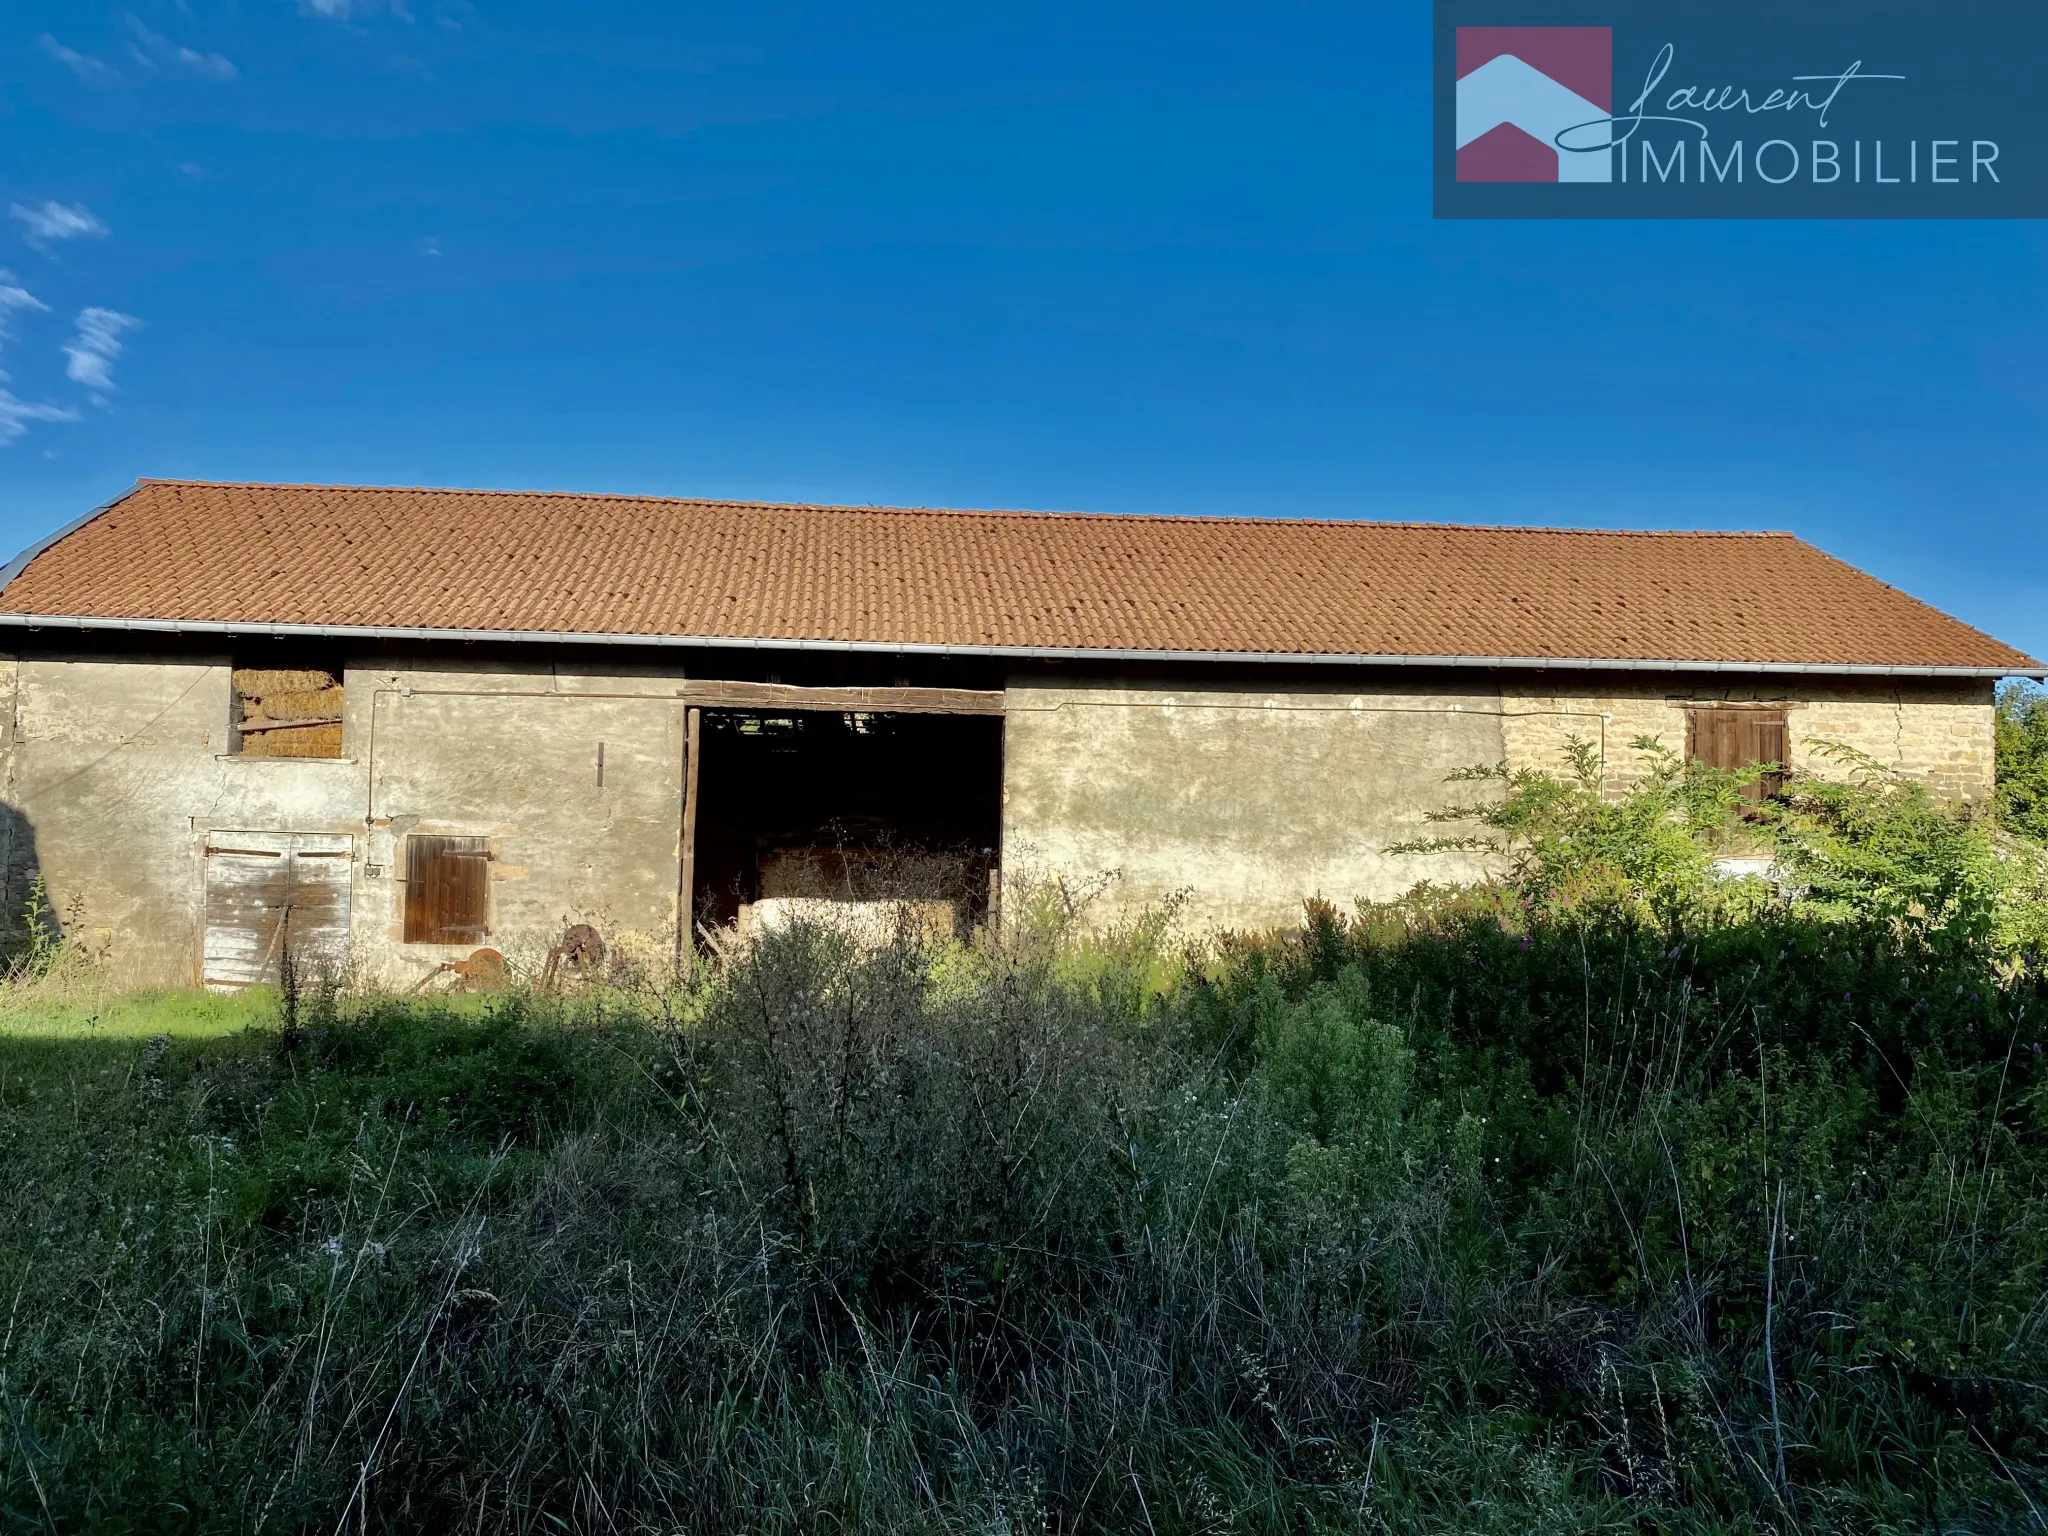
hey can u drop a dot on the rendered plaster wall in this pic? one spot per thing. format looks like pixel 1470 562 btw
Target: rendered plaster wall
pixel 117 771
pixel 1938 731
pixel 512 756
pixel 1247 800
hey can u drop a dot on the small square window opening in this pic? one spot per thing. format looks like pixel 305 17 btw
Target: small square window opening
pixel 291 709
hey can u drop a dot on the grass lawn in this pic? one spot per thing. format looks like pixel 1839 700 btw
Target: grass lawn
pixel 75 1013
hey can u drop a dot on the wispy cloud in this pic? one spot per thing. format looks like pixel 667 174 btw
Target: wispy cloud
pixel 93 350
pixel 213 66
pixel 153 50
pixel 55 221
pixel 16 414
pixel 349 10
pixel 12 297
pixel 83 65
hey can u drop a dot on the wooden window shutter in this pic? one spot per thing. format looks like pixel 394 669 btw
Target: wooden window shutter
pixel 1737 736
pixel 447 890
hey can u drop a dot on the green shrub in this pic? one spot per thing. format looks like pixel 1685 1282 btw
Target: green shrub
pixel 2022 742
pixel 1874 847
pixel 1563 845
pixel 1332 1071
pixel 1860 845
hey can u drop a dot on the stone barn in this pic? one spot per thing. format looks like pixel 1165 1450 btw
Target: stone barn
pixel 386 729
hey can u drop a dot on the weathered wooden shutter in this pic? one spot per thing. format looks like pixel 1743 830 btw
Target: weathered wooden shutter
pixel 1763 741
pixel 267 892
pixel 1736 737
pixel 447 889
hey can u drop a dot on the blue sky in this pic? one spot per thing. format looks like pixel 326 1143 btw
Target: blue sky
pixel 1171 259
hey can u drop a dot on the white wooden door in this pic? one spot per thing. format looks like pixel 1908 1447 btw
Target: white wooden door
pixel 266 891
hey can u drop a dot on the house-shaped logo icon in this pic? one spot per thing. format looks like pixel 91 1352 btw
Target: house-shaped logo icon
pixel 1520 88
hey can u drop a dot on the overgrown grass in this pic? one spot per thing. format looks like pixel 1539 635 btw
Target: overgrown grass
pixel 1416 1221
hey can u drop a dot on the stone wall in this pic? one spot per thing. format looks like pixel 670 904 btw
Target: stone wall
pixel 511 755
pixel 1936 730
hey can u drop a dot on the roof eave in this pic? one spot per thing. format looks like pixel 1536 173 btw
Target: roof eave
pixel 35 621
pixel 20 562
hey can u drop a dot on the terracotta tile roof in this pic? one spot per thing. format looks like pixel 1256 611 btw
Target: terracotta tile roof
pixel 262 555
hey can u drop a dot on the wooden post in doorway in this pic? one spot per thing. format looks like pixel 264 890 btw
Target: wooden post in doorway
pixel 686 871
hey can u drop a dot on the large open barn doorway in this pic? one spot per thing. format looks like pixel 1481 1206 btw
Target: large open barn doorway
pixel 868 811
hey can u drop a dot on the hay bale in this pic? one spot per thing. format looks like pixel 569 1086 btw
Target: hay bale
pixel 870 924
pixel 294 741
pixel 863 874
pixel 262 682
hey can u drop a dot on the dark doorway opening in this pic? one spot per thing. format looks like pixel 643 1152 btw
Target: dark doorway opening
pixel 820 805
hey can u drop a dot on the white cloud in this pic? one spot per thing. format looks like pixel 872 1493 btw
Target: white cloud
pixel 153 51
pixel 93 350
pixel 349 10
pixel 83 65
pixel 57 221
pixel 212 66
pixel 16 414
pixel 12 297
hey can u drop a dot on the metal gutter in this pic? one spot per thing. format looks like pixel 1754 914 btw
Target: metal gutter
pixel 35 621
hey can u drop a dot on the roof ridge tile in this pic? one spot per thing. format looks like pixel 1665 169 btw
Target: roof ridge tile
pixel 1208 519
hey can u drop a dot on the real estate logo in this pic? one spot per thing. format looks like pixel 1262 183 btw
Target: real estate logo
pixel 1525 94
pixel 1632 109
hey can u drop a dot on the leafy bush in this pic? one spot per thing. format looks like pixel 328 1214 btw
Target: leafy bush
pixel 2022 738
pixel 1564 845
pixel 1858 845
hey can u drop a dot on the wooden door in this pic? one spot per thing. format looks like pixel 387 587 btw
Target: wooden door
pixel 269 891
pixel 1737 736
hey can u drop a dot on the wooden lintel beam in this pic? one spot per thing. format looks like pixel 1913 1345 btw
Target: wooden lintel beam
pixel 879 701
pixel 286 725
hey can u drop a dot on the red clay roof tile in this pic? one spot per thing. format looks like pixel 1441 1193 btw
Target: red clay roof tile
pixel 539 562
